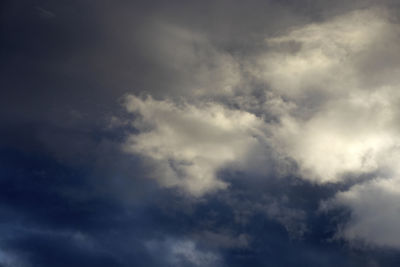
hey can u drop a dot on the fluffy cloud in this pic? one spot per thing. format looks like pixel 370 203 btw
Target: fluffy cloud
pixel 336 125
pixel 189 144
pixel 321 57
pixel 345 116
pixel 327 101
pixel 352 135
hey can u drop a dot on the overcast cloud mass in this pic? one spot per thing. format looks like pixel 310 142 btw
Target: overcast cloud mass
pixel 199 133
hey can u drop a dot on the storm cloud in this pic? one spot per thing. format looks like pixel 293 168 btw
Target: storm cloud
pixel 213 133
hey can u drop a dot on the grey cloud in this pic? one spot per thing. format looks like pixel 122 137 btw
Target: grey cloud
pixel 10 259
pixel 44 13
pixel 182 252
pixel 326 120
pixel 223 239
pixel 375 214
pixel 260 90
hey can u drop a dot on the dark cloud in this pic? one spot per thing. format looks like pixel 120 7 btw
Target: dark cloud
pixel 72 194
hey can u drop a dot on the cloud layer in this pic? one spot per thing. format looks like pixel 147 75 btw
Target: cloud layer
pixel 321 104
pixel 192 133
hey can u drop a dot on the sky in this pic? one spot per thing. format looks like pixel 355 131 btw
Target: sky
pixel 199 133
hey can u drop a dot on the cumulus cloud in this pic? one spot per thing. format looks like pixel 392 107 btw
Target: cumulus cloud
pixel 322 102
pixel 189 144
pixel 337 125
pixel 320 57
pixel 345 116
pixel 240 94
pixel 349 135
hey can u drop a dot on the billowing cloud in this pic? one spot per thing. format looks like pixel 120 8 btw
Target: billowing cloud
pixel 345 118
pixel 239 119
pixel 189 144
pixel 337 125
pixel 321 58
pixel 325 116
pixel 351 135
pixel 329 122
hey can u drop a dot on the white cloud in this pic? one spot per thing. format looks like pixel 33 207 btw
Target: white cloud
pixel 331 105
pixel 345 115
pixel 189 144
pixel 320 56
pixel 350 135
pixel 333 124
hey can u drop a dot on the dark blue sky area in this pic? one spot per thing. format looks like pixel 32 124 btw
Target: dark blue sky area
pixel 57 214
